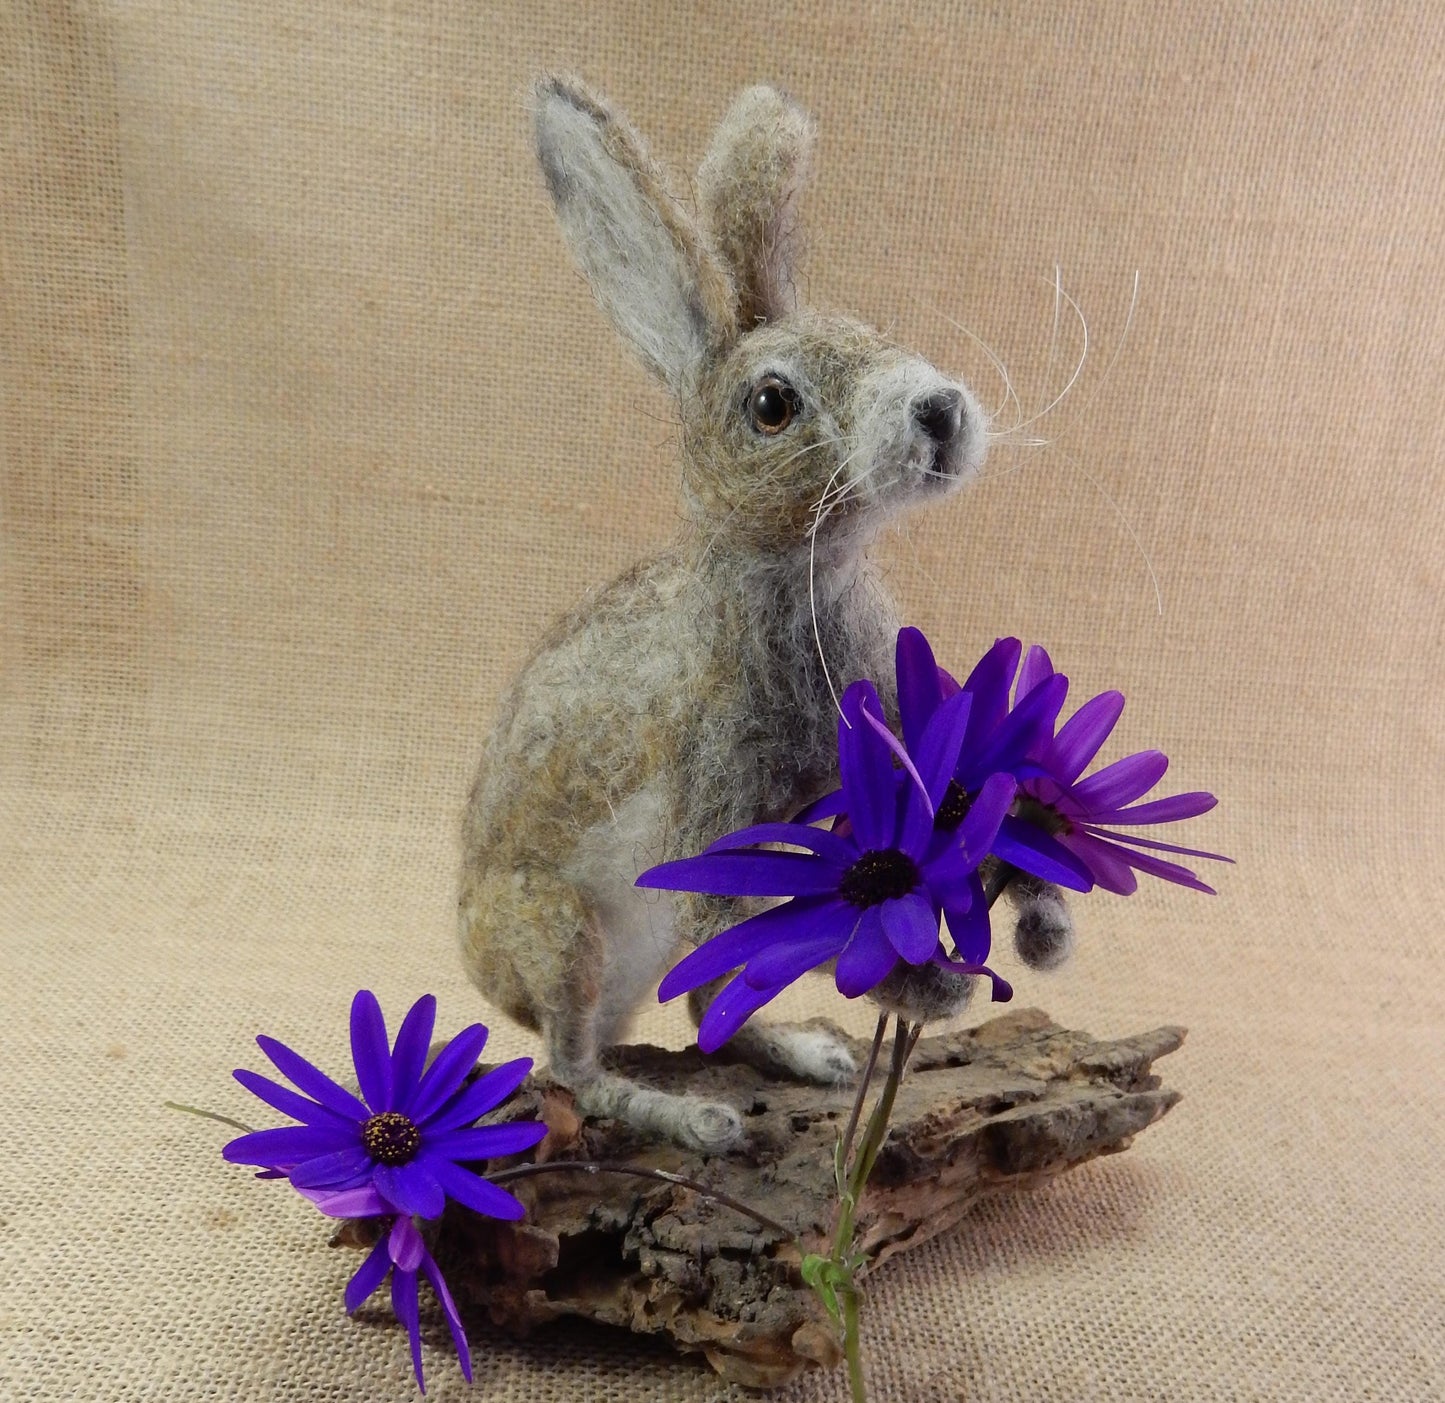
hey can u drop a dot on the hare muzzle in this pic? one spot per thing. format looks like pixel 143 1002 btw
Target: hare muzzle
pixel 940 417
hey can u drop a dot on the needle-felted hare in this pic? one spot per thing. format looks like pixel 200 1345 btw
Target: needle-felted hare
pixel 689 697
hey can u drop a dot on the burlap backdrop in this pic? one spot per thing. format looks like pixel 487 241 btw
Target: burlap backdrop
pixel 309 427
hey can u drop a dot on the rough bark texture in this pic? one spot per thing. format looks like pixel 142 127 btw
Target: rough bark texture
pixel 1000 1106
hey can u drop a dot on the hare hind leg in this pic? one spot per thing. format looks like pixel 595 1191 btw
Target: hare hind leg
pixel 567 977
pixel 573 1050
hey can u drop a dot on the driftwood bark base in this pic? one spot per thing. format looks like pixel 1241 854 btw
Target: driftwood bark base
pixel 1006 1104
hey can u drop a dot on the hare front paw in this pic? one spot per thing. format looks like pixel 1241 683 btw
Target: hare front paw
pixel 1044 935
pixel 924 993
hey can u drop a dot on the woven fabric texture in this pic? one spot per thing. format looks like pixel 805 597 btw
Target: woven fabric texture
pixel 309 427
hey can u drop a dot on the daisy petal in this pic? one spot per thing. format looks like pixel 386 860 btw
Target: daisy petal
pixel 782 964
pixel 1111 836
pixel 970 928
pixel 900 752
pixel 404 1303
pixel 1169 871
pixel 408 1055
pixel 481 1096
pixel 289 1103
pixel 370 1051
pixel 1026 846
pixel 989 683
pixel 949 878
pixel 412 1187
pixel 453 1317
pixel 745 873
pixel 735 946
pixel 1120 783
pixel 478 1194
pixel 486 1141
pixel 443 1078
pixel 829 806
pixel 869 958
pixel 1175 807
pixel 1082 736
pixel 735 1003
pixel 920 689
pixel 369 1275
pixel 312 1080
pixel 938 748
pixel 1020 733
pixel 911 926
pixel 981 823
pixel 405 1245
pixel 817 840
pixel 361 1202
pixel 1036 668
pixel 1110 872
pixel 866 765
pixel 286 1145
pixel 1002 990
pixel 345 1169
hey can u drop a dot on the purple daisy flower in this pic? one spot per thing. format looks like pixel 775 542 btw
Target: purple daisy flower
pixel 1000 738
pixel 400 1146
pixel 1082 812
pixel 867 895
pixel 402 1252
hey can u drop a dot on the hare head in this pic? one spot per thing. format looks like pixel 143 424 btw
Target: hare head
pixel 797 428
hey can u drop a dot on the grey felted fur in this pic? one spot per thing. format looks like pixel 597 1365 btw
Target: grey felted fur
pixel 691 697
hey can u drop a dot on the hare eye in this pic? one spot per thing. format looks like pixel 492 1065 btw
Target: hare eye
pixel 773 405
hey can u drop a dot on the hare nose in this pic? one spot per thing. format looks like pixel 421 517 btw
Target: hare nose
pixel 940 415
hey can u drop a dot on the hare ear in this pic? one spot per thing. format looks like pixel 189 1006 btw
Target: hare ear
pixel 641 252
pixel 748 187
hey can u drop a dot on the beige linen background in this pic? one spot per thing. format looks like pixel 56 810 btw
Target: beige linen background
pixel 309 427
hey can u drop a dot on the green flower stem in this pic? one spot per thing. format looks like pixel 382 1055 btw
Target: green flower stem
pixel 209 1115
pixel 845 1143
pixel 852 1347
pixel 845 1263
pixel 1000 879
pixel 834 1276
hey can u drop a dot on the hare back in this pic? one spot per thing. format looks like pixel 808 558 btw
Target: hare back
pixel 594 715
pixel 686 699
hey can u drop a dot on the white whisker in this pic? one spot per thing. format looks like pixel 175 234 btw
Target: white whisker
pixel 1125 523
pixel 836 496
pixel 819 516
pixel 917 558
pixel 1008 385
pixel 1054 338
pixel 1078 369
pixel 1008 472
pixel 1123 336
pixel 827 442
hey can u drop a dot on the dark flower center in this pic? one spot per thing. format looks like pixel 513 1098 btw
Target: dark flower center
pixel 954 808
pixel 391 1138
pixel 879 876
pixel 1042 815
